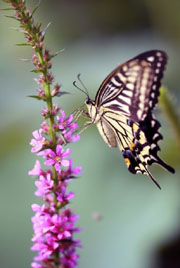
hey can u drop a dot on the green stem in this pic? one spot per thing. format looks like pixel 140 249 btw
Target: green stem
pixel 48 100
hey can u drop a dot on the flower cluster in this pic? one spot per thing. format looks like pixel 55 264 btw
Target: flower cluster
pixel 53 222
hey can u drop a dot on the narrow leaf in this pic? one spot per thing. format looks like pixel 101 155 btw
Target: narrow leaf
pixel 35 97
pixel 6 9
pixel 57 53
pixel 61 93
pixel 17 29
pixel 36 71
pixel 11 17
pixel 45 29
pixel 34 10
pixel 23 44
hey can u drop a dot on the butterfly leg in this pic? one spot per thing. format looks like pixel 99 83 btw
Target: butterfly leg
pixel 78 113
pixel 84 127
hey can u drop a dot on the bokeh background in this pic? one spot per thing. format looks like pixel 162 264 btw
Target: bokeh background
pixel 140 225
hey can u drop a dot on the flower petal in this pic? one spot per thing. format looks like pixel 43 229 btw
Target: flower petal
pixel 65 162
pixel 59 150
pixel 49 162
pixel 66 153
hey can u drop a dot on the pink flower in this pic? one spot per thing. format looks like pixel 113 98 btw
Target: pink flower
pixel 70 137
pixel 62 197
pixel 44 127
pixel 36 265
pixel 69 260
pixel 37 170
pixel 70 172
pixel 74 171
pixel 64 123
pixel 56 159
pixel 44 185
pixel 38 142
pixel 45 112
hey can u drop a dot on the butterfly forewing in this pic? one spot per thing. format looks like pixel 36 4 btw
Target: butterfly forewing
pixel 133 87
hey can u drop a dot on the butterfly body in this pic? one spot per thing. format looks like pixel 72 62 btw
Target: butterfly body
pixel 122 111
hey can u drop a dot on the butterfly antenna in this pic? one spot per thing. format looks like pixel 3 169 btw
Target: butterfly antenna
pixel 78 76
pixel 74 84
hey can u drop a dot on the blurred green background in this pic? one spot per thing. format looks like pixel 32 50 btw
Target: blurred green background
pixel 140 225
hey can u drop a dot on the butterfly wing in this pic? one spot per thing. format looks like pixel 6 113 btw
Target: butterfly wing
pixel 133 144
pixel 107 133
pixel 133 87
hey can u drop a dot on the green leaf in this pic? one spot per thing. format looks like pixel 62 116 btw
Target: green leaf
pixel 11 17
pixel 6 9
pixel 36 7
pixel 36 71
pixel 36 97
pixel 23 44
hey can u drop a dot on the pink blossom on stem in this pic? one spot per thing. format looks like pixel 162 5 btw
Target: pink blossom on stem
pixel 38 141
pixel 62 197
pixel 56 159
pixel 44 185
pixel 37 170
pixel 64 123
pixel 70 137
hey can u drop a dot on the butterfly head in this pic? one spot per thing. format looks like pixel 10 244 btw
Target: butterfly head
pixel 93 110
pixel 88 101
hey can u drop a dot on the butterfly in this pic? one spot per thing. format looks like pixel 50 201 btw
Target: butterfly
pixel 122 111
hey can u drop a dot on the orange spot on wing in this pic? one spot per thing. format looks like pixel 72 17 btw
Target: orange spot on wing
pixel 132 146
pixel 127 161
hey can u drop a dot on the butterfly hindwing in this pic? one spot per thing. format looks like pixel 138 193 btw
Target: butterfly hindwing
pixel 107 133
pixel 150 127
pixel 132 142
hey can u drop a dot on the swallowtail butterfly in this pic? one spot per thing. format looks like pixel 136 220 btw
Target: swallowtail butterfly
pixel 122 111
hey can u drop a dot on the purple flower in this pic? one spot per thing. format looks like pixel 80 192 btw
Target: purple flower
pixel 76 170
pixel 69 260
pixel 44 185
pixel 49 230
pixel 36 171
pixel 62 197
pixel 71 172
pixel 45 112
pixel 36 265
pixel 70 137
pixel 64 123
pixel 38 142
pixel 44 127
pixel 56 159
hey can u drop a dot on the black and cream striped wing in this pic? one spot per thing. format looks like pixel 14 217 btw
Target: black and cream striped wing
pixel 133 87
pixel 132 141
